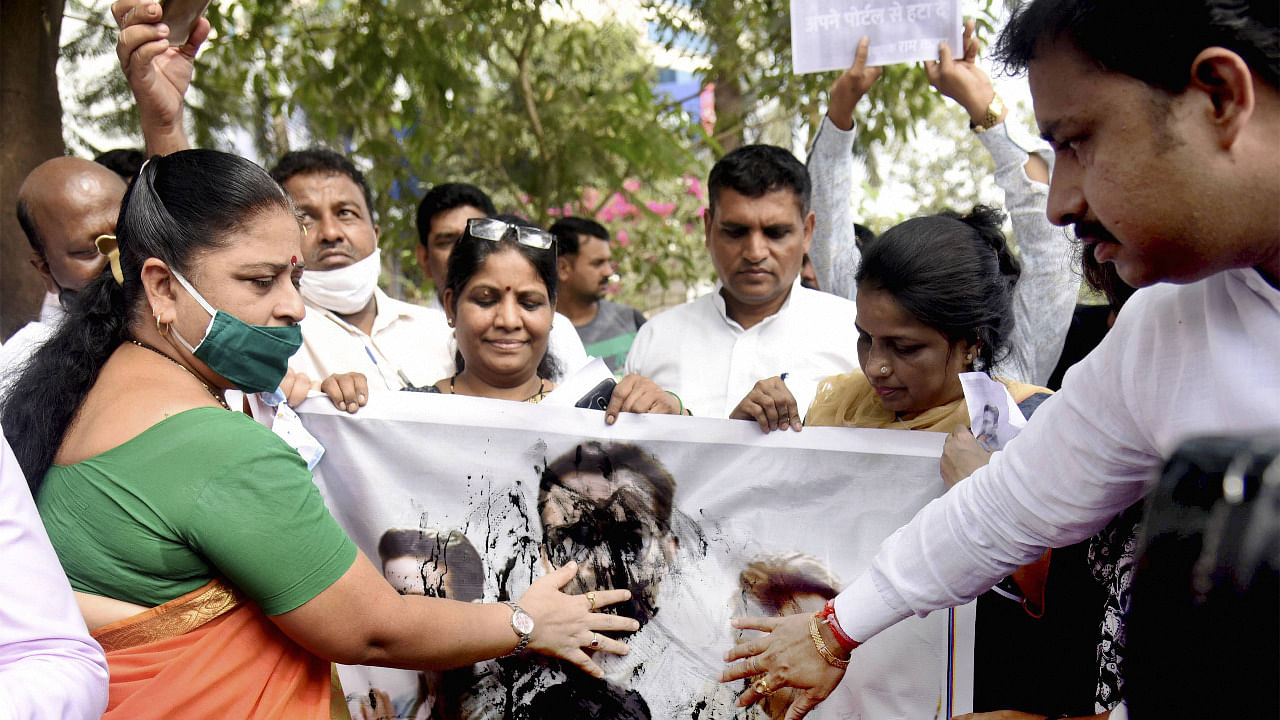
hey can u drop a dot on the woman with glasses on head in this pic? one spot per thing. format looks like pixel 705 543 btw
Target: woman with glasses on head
pixel 500 297
pixel 203 557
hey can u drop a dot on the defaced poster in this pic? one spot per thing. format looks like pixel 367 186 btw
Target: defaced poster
pixel 703 519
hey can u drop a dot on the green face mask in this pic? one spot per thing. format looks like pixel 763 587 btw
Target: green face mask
pixel 253 357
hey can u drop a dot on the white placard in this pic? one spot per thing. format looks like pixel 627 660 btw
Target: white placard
pixel 825 33
pixel 469 477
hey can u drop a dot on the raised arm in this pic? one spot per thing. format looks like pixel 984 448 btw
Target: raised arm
pixel 1045 296
pixel 833 251
pixel 158 74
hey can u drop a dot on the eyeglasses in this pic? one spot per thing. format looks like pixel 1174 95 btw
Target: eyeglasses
pixel 496 230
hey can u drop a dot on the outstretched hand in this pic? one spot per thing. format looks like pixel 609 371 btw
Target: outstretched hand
pixel 784 657
pixel 566 626
pixel 960 78
pixel 852 84
pixel 158 73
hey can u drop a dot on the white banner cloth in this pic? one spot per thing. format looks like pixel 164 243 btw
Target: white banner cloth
pixel 825 33
pixel 443 492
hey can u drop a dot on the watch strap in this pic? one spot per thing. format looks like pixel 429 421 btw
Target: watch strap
pixel 992 117
pixel 524 636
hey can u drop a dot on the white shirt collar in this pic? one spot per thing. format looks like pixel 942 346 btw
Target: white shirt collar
pixel 718 301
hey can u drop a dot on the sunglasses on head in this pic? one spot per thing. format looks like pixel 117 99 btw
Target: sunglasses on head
pixel 496 230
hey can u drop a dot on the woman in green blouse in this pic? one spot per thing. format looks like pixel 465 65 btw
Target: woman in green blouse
pixel 219 584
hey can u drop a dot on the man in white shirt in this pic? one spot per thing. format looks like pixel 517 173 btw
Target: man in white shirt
pixel 1163 117
pixel 759 323
pixel 351 325
pixel 443 213
pixel 64 204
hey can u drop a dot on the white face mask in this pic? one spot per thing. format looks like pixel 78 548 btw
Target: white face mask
pixel 345 290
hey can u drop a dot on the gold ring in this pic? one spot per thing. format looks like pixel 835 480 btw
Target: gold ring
pixel 591 598
pixel 762 686
pixel 595 640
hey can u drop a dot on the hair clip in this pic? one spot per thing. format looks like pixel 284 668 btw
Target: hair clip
pixel 109 246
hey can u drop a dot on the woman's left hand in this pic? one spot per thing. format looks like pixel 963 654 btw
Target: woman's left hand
pixel 639 394
pixel 784 657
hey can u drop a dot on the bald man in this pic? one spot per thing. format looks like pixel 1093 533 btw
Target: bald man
pixel 64 204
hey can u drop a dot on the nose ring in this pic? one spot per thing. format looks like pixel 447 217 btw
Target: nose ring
pixel 884 369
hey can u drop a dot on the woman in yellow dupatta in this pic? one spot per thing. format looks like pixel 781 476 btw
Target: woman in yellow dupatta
pixel 208 566
pixel 935 300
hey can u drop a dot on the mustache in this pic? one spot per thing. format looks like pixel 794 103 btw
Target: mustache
pixel 1094 231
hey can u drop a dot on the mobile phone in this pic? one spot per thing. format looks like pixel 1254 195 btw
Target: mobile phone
pixel 599 396
pixel 181 16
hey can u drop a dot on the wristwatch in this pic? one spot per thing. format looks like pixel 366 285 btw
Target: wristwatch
pixel 522 624
pixel 991 118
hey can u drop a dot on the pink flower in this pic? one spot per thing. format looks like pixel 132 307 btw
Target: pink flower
pixel 590 197
pixel 553 212
pixel 702 211
pixel 568 209
pixel 688 228
pixel 695 186
pixel 662 210
pixel 524 199
pixel 618 207
pixel 631 185
pixel 623 239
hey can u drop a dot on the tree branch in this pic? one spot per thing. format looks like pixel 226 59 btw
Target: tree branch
pixel 526 91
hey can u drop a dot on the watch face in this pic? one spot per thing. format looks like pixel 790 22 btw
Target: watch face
pixel 522 622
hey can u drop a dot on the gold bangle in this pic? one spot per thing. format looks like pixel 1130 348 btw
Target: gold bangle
pixel 821 645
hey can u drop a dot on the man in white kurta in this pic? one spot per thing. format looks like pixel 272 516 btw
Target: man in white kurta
pixel 759 322
pixel 1173 186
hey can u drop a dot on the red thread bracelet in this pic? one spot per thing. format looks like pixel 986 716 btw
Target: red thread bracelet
pixel 828 616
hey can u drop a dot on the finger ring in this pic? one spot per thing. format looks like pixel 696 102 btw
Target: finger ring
pixel 595 640
pixel 591 598
pixel 762 686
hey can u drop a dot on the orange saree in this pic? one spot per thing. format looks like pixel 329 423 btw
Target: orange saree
pixel 213 654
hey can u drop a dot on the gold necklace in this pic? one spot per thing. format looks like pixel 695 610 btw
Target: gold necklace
pixel 216 396
pixel 542 389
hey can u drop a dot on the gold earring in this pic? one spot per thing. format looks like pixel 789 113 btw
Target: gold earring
pixel 162 329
